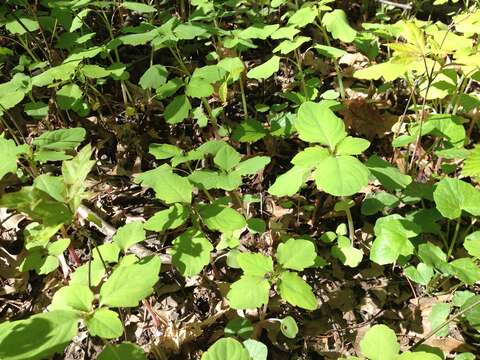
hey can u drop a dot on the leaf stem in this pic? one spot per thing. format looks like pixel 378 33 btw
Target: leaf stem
pixel 454 239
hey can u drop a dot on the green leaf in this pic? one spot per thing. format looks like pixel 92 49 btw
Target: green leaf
pixel 352 146
pixel 198 88
pixel 422 274
pixel 154 77
pixel 63 139
pixel 121 351
pixel 472 244
pixel 471 167
pixel 129 284
pixel 164 151
pixel 252 166
pixel 177 110
pixel 392 239
pixel 296 254
pixel 138 7
pixel 227 158
pixel 380 334
pixel 58 247
pixel 95 272
pixel 466 270
pixel 473 314
pixel 296 291
pixel 289 183
pixel 452 196
pixel 222 218
pixel 288 327
pixel 341 175
pixel 250 292
pixel 191 252
pixel 389 176
pixel 249 131
pixel 256 225
pixel 316 123
pixel 329 51
pixel 239 326
pixel 310 157
pixel 189 31
pixel 389 70
pixel 70 96
pixel 419 355
pixel 337 24
pixel 37 110
pixel 9 152
pixel 303 17
pixel 255 264
pixel 265 70
pixel 73 297
pixel 376 202
pixel 95 71
pixel 346 253
pixel 171 218
pixel 168 186
pixel 226 348
pixel 129 234
pixel 256 349
pixel 39 336
pixel 287 46
pixel 104 323
pixel 437 316
pixel 109 253
pixel 52 185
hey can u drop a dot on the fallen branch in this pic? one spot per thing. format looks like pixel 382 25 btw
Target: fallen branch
pixel 395 4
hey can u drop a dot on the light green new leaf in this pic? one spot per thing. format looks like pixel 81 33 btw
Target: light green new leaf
pixel 287 46
pixel 422 274
pixel 316 123
pixel 154 77
pixel 227 158
pixel 249 131
pixel 289 183
pixel 337 24
pixel 171 218
pixel 471 167
pixel 256 349
pixel 252 166
pixel 168 186
pixel 52 185
pixel 389 70
pixel 380 335
pixel 302 17
pixel 104 323
pixel 250 292
pixel 129 234
pixel 9 151
pixel 198 88
pixel 177 110
pixel 473 313
pixel 227 348
pixel 453 195
pixel 129 284
pixel 138 7
pixel 39 336
pixel 310 157
pixel 296 254
pixel 472 244
pixel 288 327
pixel 418 355
pixel 346 253
pixel 352 146
pixel 222 218
pixel 329 51
pixel 164 151
pixel 191 252
pixel 466 270
pixel 109 253
pixel 189 31
pixel 125 350
pixel 95 71
pixel 73 297
pixel 255 264
pixel 341 175
pixel 265 70
pixel 296 291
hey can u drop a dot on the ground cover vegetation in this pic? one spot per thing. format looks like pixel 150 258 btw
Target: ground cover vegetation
pixel 241 180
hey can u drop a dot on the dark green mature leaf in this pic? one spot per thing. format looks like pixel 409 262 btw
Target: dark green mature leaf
pixel 39 336
pixel 389 176
pixel 129 284
pixel 178 110
pixel 62 139
pixel 154 77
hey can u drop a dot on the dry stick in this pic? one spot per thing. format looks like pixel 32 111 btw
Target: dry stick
pixel 391 3
pixel 446 322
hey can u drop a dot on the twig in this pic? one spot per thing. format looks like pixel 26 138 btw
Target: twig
pixel 391 3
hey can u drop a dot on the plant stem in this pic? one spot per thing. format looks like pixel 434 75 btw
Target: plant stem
pixel 351 229
pixel 244 99
pixel 454 239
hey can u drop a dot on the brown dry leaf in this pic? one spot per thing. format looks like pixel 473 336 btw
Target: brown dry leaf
pixel 364 118
pixel 12 280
